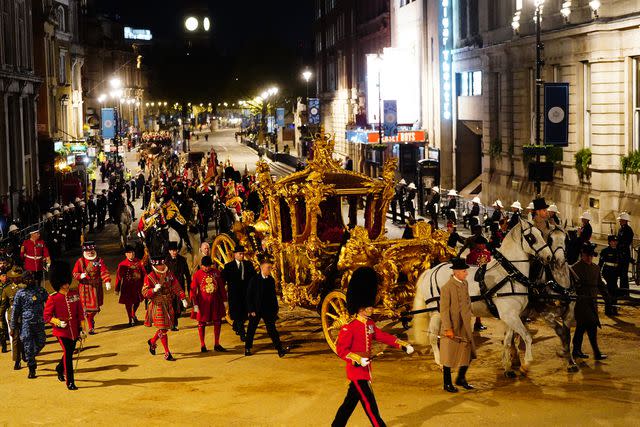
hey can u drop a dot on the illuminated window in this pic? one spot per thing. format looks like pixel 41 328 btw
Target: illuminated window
pixel 636 103
pixel 469 83
pixel 586 102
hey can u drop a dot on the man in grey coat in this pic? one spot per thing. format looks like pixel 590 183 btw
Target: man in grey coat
pixel 456 343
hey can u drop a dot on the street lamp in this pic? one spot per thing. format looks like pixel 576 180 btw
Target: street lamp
pixel 539 4
pixel 102 98
pixel 191 23
pixel 115 83
pixel 595 6
pixel 306 75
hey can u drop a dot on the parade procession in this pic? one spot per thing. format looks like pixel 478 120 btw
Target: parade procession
pixel 327 212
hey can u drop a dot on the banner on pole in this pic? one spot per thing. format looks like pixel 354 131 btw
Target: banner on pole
pixel 314 111
pixel 280 117
pixel 390 118
pixel 108 123
pixel 556 114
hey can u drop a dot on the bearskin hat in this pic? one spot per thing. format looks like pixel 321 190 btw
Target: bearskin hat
pixel 59 274
pixel 362 289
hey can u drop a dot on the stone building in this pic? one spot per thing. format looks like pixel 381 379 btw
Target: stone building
pixel 597 52
pixel 18 96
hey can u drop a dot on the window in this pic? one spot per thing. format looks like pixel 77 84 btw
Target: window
pixel 6 33
pixel 586 102
pixel 61 18
pixel 331 35
pixel 340 27
pixel 469 83
pixel 62 67
pixel 318 9
pixel 331 75
pixel 318 42
pixel 405 2
pixel 636 103
pixel 462 16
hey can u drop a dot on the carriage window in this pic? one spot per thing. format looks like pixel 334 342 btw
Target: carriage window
pixel 330 224
pixel 301 216
pixel 285 221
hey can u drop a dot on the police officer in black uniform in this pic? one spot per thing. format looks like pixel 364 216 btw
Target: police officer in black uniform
pixel 625 240
pixel 609 267
pixel 92 210
pixel 101 209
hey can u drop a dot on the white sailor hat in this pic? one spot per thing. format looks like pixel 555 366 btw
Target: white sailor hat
pixel 553 208
pixel 476 200
pixel 624 216
pixel 498 203
pixel 436 189
pixel 516 205
pixel 452 193
pixel 586 215
pixel 412 186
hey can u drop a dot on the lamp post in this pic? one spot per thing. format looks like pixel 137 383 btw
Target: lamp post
pixel 306 75
pixel 539 4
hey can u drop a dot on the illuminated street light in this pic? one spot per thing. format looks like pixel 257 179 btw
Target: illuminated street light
pixel 191 23
pixel 165 103
pixel 595 6
pixel 115 83
pixel 102 98
pixel 306 75
pixel 225 104
pixel 206 24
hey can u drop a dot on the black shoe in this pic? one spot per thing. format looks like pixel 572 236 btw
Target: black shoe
pixel 135 320
pixel 465 385
pixel 283 351
pixel 579 355
pixel 479 327
pixel 60 371
pixel 203 349
pixel 92 332
pixel 131 323
pixel 174 329
pixel 32 373
pixel 219 348
pixel 242 337
pixel 17 366
pixel 601 356
pixel 4 347
pixel 152 348
pixel 450 388
pixel 72 386
pixel 247 352
pixel 169 358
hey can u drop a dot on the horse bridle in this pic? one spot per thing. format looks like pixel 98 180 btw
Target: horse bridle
pixel 530 226
pixel 554 251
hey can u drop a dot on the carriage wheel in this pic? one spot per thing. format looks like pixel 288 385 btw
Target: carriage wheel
pixel 222 250
pixel 334 316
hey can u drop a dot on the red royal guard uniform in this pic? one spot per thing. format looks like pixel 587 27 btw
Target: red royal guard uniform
pixel 209 299
pixel 91 273
pixel 129 280
pixel 34 255
pixel 160 287
pixel 64 311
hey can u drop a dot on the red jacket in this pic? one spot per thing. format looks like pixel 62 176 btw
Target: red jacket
pixel 67 308
pixel 209 294
pixel 129 280
pixel 33 254
pixel 357 337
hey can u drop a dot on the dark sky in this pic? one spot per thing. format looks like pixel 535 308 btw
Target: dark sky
pixel 258 42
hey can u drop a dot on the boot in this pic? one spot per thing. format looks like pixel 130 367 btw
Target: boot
pixel 60 371
pixel 32 372
pixel 17 366
pixel 4 346
pixel 448 384
pixel 72 386
pixel 461 380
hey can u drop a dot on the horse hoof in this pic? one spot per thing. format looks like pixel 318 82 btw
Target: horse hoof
pixel 524 371
pixel 573 368
pixel 510 374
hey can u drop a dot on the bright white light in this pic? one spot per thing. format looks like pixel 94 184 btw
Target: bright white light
pixel 306 75
pixel 225 104
pixel 191 23
pixel 115 83
pixel 264 95
pixel 273 91
pixel 115 94
pixel 206 24
pixel 102 97
pixel 165 103
pixel 595 5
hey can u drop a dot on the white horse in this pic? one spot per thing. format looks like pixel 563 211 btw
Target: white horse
pixel 501 277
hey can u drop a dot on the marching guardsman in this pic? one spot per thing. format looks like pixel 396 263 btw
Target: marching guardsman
pixel 11 288
pixel 27 320
pixel 91 273
pixel 237 273
pixel 64 312
pixel 496 216
pixel 625 240
pixel 129 280
pixel 35 255
pixel 160 287
pixel 457 348
pixel 262 303
pixel 610 270
pixel 355 345
pixel 586 310
pixel 178 266
pixel 209 299
pixel 516 213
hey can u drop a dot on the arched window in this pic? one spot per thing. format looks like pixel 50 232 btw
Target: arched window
pixel 60 17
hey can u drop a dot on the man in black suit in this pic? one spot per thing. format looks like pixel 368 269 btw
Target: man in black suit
pixel 237 274
pixel 262 303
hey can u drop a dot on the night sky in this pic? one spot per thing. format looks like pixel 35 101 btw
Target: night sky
pixel 260 43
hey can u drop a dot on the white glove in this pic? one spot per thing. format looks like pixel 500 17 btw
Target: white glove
pixel 157 287
pixel 196 309
pixel 108 286
pixel 364 361
pixel 63 324
pixel 409 349
pixel 185 303
pixel 83 335
pixel 83 275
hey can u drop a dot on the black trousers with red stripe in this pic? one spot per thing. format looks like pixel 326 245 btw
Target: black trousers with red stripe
pixel 68 347
pixel 359 391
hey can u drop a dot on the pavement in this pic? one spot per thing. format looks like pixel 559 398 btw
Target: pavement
pixel 122 384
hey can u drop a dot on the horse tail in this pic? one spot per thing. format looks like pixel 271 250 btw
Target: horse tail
pixel 419 330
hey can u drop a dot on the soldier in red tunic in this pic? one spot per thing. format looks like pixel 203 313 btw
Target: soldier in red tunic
pixel 209 299
pixel 64 311
pixel 160 287
pixel 354 346
pixel 129 281
pixel 35 255
pixel 91 272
